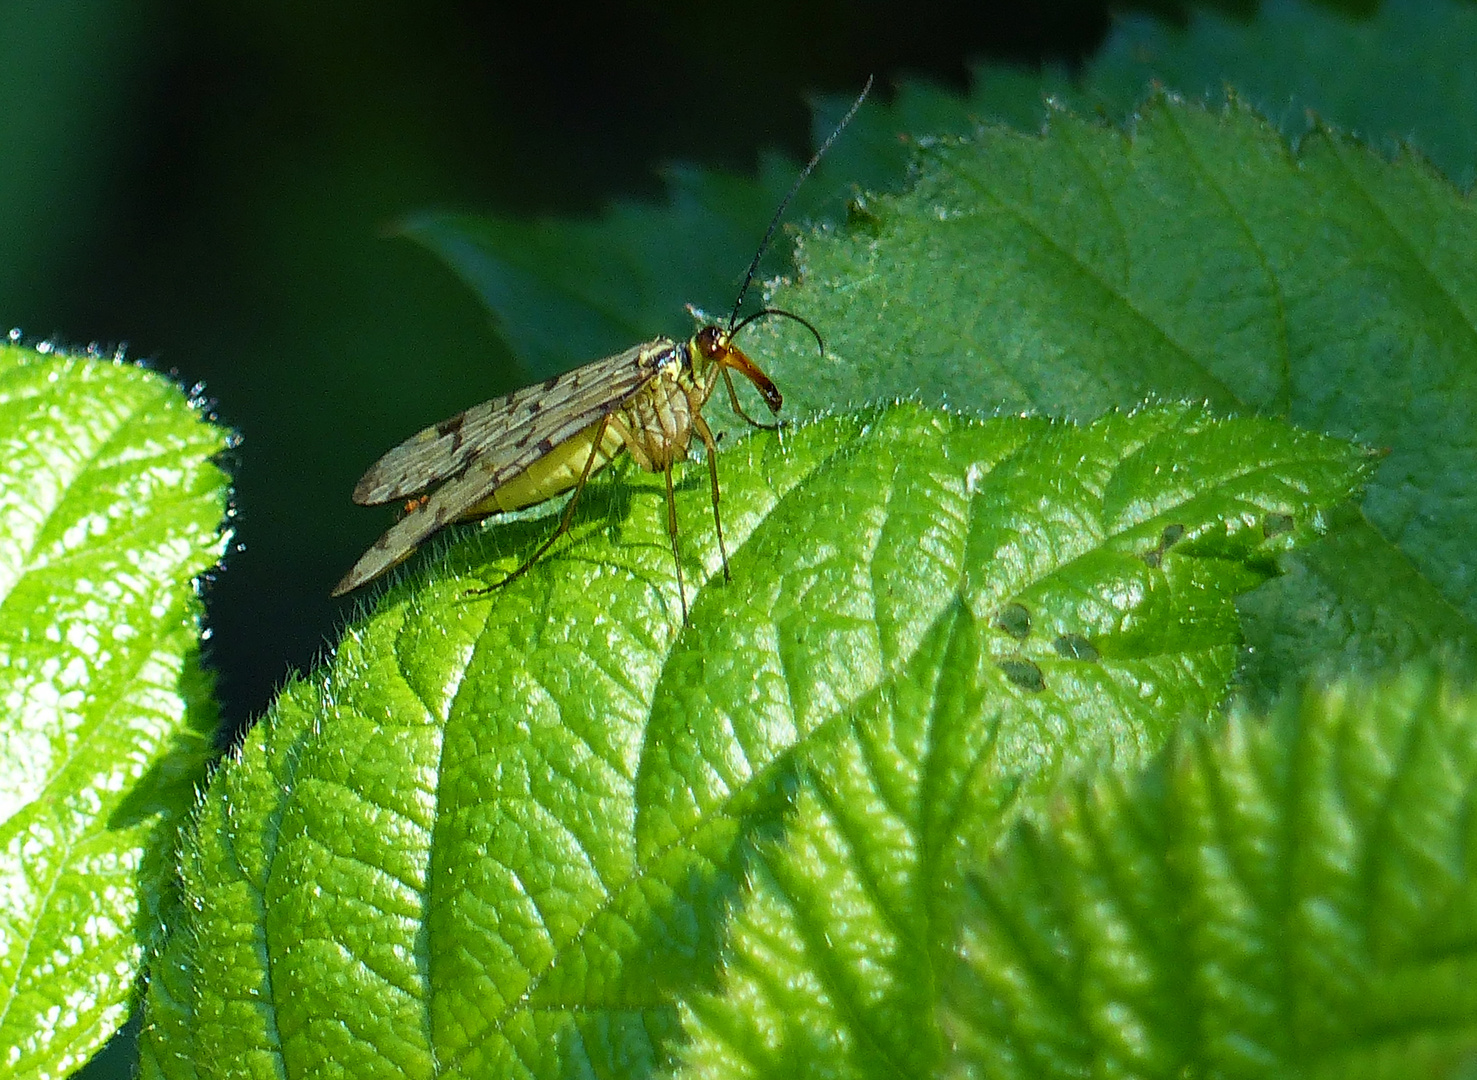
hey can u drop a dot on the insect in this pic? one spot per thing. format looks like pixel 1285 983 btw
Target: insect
pixel 539 442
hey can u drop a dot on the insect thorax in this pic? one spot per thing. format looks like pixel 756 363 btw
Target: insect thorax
pixel 658 418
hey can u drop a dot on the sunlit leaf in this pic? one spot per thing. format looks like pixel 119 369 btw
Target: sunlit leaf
pixel 109 507
pixel 498 834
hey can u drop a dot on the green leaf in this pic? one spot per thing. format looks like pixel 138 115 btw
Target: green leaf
pixel 1293 898
pixel 832 953
pixel 1403 74
pixel 498 835
pixel 1194 256
pixel 1197 257
pixel 1352 602
pixel 109 508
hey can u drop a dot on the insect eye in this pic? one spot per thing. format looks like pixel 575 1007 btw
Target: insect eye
pixel 709 341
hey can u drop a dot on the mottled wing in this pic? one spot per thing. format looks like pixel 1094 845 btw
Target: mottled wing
pixel 507 434
pixel 489 445
pixel 448 504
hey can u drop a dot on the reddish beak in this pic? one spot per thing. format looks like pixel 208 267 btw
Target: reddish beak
pixel 736 359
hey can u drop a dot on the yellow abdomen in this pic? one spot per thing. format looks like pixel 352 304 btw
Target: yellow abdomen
pixel 553 474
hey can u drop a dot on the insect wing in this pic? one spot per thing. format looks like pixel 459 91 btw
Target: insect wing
pixel 450 502
pixel 489 445
pixel 511 432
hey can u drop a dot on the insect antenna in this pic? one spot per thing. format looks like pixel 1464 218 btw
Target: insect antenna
pixel 774 222
pixel 762 312
pixel 766 388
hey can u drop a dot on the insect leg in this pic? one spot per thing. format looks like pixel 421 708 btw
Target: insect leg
pixel 564 521
pixel 672 529
pixel 733 399
pixel 706 434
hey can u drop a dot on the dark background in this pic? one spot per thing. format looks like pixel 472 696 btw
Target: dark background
pixel 216 184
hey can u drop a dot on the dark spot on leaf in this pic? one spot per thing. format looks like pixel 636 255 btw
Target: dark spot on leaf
pixel 1024 673
pixel 1276 525
pixel 1015 620
pixel 1171 536
pixel 1075 647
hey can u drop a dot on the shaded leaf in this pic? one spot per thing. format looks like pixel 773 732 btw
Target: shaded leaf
pixel 1400 75
pixel 566 292
pixel 1197 258
pixel 1194 256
